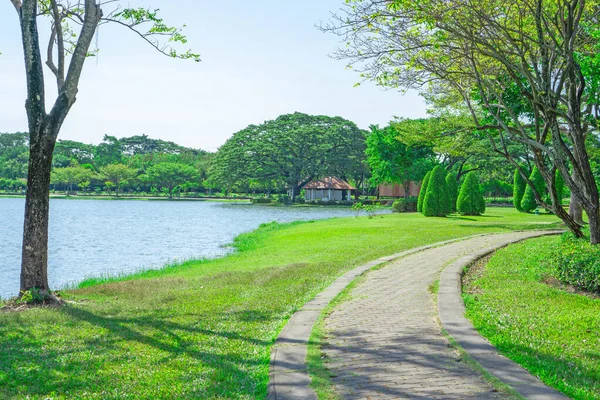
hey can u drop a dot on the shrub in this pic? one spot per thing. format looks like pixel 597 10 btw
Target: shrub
pixel 528 203
pixel 405 205
pixel 470 200
pixel 452 190
pixel 518 190
pixel 423 191
pixel 437 200
pixel 577 262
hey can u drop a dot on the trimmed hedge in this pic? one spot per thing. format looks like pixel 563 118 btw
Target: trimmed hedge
pixel 423 191
pixel 518 190
pixel 577 262
pixel 405 205
pixel 452 190
pixel 437 200
pixel 470 200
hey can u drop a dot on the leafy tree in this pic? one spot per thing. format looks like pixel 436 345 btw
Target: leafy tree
pixel 292 149
pixel 470 200
pixel 392 161
pixel 423 191
pixel 118 175
pixel 529 202
pixel 66 52
pixel 437 199
pixel 170 175
pixel 518 189
pixel 69 176
pixel 523 77
pixel 452 190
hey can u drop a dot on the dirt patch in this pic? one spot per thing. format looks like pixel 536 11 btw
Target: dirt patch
pixel 555 283
pixel 13 305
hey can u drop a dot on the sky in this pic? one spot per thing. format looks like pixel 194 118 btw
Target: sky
pixel 260 59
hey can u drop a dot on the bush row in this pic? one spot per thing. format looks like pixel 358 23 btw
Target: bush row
pixel 577 262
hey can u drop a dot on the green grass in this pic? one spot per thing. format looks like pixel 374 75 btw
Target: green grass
pixel 205 328
pixel 553 333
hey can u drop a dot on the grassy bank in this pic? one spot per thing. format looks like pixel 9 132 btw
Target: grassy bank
pixel 204 329
pixel 530 318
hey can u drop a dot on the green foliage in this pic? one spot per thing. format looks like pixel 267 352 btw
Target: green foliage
pixel 437 199
pixel 405 205
pixel 169 175
pixel 529 203
pixel 69 176
pixel 452 190
pixel 559 183
pixel 423 191
pixel 289 151
pixel 577 263
pixel 531 319
pixel 519 185
pixel 470 200
pixel 31 296
pixel 392 161
pixel 118 175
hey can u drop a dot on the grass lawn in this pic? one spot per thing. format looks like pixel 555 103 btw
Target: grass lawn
pixel 553 333
pixel 205 328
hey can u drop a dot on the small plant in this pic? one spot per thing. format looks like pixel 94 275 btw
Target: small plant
pixel 31 296
pixel 370 210
pixel 357 208
pixel 405 205
pixel 423 191
pixel 437 200
pixel 529 203
pixel 518 190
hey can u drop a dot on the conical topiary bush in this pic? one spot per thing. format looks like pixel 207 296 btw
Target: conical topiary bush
pixel 452 190
pixel 437 201
pixel 518 190
pixel 528 203
pixel 470 200
pixel 422 192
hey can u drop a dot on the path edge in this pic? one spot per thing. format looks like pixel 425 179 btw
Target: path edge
pixel 288 373
pixel 451 311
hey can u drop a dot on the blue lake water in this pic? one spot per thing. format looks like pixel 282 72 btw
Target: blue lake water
pixel 99 237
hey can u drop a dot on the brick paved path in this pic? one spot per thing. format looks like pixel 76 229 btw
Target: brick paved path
pixel 385 342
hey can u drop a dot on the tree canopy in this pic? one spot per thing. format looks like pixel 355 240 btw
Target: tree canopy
pixel 290 150
pixel 525 72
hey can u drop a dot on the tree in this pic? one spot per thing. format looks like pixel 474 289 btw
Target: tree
pixel 452 190
pixel 437 199
pixel 69 176
pixel 67 52
pixel 518 189
pixel 470 200
pixel 392 161
pixel 118 175
pixel 170 175
pixel 423 191
pixel 532 193
pixel 525 71
pixel 292 149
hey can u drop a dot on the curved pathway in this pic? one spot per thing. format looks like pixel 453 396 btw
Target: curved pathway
pixel 385 341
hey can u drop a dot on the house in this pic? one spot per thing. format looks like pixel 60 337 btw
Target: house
pixel 397 190
pixel 328 189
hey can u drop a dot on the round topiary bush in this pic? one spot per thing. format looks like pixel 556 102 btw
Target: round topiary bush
pixel 470 200
pixel 437 200
pixel 422 192
pixel 452 190
pixel 518 190
pixel 528 203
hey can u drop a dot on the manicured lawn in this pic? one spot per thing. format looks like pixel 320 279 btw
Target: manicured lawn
pixel 204 329
pixel 551 332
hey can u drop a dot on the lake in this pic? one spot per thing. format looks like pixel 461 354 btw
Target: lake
pixel 99 237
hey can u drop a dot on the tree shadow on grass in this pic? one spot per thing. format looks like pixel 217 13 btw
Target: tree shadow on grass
pixel 35 365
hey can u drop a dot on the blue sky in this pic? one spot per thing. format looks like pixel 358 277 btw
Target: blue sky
pixel 260 59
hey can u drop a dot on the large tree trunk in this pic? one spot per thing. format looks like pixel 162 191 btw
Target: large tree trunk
pixel 34 262
pixel 576 209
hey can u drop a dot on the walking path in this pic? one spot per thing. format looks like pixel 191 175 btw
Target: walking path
pixel 385 342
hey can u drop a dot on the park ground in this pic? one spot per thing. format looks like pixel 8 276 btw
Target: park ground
pixel 205 328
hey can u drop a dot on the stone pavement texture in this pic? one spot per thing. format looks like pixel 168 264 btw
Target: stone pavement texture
pixel 385 342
